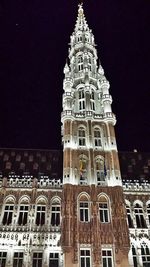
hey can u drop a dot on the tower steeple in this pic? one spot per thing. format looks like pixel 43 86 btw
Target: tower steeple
pixel 87 118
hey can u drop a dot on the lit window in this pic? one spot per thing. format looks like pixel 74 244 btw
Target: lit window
pixel 134 254
pixel 55 214
pixel 130 221
pixel 103 210
pixel 101 172
pixel 97 138
pixel 23 215
pixel 84 211
pixel 107 258
pixel 81 100
pixel 8 214
pixel 3 256
pixel 82 139
pixel 85 258
pixel 18 259
pixel 54 260
pixel 37 259
pixel 40 215
pixel 145 253
pixel 80 63
pixel 140 221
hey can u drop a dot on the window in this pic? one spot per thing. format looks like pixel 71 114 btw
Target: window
pixel 82 139
pixel 79 38
pixel 18 259
pixel 53 260
pixel 130 221
pixel 101 172
pixel 55 214
pixel 107 258
pixel 3 256
pixel 148 212
pixel 145 253
pixel 97 138
pixel 134 254
pixel 85 258
pixel 37 259
pixel 92 101
pixel 23 215
pixel 8 214
pixel 80 63
pixel 140 221
pixel 84 211
pixel 40 215
pixel 103 210
pixel 89 64
pixel 81 100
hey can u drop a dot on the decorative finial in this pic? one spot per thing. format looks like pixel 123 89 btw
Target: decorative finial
pixel 80 10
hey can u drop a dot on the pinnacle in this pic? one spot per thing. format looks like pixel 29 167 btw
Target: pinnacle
pixel 81 23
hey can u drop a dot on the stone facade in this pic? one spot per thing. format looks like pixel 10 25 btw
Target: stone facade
pixel 74 210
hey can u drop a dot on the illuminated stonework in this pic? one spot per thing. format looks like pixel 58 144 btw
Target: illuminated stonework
pixel 90 152
pixel 88 216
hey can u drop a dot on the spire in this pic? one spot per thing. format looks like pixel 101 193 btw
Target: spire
pixel 81 23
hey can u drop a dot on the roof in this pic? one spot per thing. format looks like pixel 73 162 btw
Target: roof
pixel 135 166
pixel 31 162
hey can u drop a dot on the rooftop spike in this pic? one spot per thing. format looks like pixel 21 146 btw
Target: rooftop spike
pixel 81 23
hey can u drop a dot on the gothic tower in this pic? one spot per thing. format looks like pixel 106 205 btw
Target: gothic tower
pixel 94 229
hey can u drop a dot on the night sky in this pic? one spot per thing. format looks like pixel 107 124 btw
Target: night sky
pixel 34 37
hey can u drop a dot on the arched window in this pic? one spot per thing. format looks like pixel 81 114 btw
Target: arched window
pixel 81 100
pixel 23 211
pixel 40 212
pixel 129 217
pixel 145 254
pixel 135 257
pixel 83 169
pixel 79 38
pixel 148 212
pixel 8 212
pixel 97 137
pixel 92 101
pixel 101 172
pixel 84 209
pixel 82 137
pixel 104 210
pixel 140 221
pixel 80 63
pixel 55 212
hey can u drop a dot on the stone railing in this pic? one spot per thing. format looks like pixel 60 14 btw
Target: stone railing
pixel 21 182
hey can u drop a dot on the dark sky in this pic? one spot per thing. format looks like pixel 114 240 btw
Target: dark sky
pixel 34 37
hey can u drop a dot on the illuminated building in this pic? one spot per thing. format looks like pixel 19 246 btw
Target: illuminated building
pixel 76 218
